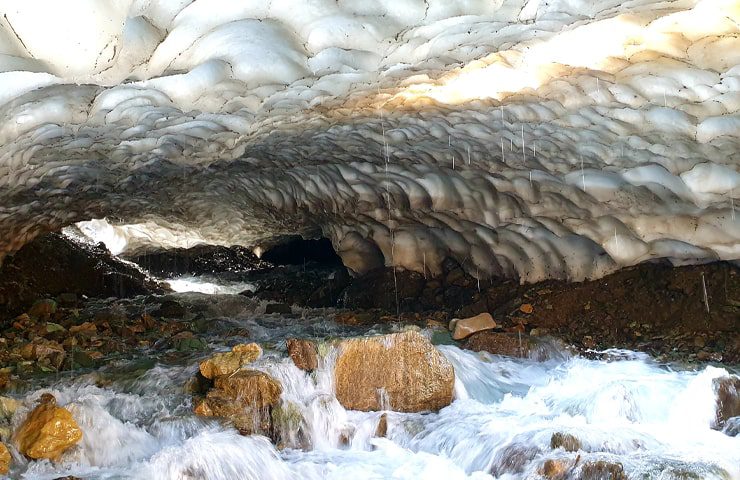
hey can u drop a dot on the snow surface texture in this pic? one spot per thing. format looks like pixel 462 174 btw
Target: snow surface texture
pixel 560 138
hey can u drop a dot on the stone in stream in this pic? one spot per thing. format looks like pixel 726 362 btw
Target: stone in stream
pixel 499 343
pixel 279 308
pixel 382 429
pixel 4 459
pixel 303 353
pixel 48 431
pixel 554 469
pixel 403 367
pixel 728 399
pixel 602 470
pixel 227 363
pixel 245 398
pixel 464 327
pixel 566 441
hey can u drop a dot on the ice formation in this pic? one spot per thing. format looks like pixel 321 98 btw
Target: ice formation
pixel 559 138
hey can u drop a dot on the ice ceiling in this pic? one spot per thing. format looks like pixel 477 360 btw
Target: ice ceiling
pixel 539 138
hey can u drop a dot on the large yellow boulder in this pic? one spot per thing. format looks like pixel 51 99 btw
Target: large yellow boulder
pixel 229 362
pixel 4 459
pixel 401 372
pixel 48 431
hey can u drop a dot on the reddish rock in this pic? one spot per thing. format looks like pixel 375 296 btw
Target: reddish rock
pixel 728 399
pixel 464 327
pixel 303 353
pixel 508 344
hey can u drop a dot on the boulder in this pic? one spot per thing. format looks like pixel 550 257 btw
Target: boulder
pixel 229 362
pixel 382 429
pixel 280 308
pixel 566 441
pixel 48 431
pixel 402 369
pixel 464 327
pixel 4 459
pixel 43 309
pixel 554 469
pixel 499 343
pixel 728 399
pixel 245 398
pixel 303 353
pixel 602 470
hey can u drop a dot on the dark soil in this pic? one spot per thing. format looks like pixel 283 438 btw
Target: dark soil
pixel 652 307
pixel 55 264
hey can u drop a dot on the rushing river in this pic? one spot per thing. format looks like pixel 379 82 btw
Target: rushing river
pixel 138 423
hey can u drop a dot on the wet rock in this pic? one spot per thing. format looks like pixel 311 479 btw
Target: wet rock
pixel 82 359
pixel 87 329
pixel 48 431
pixel 508 344
pixel 356 318
pixel 43 309
pixel 602 470
pixel 303 353
pixel 229 362
pixel 463 328
pixel 8 407
pixel 289 427
pixel 46 353
pixel 52 327
pixel 554 469
pixel 566 441
pixel 403 368
pixel 170 309
pixel 382 429
pixel 199 260
pixel 188 342
pixel 728 399
pixel 280 308
pixel 252 386
pixel 198 385
pixel 4 459
pixel 512 459
pixel 245 398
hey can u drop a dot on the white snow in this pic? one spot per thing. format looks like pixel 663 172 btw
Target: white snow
pixel 183 122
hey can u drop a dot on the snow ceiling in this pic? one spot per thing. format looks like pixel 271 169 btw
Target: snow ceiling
pixel 539 138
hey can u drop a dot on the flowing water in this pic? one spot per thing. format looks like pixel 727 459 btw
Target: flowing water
pixel 138 423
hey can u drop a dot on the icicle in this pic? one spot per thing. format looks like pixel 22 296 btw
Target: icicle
pixel 583 175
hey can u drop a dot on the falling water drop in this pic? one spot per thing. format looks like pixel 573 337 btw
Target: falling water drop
pixel 524 150
pixel 583 175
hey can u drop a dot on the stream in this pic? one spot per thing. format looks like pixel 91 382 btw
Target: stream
pixel 622 406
